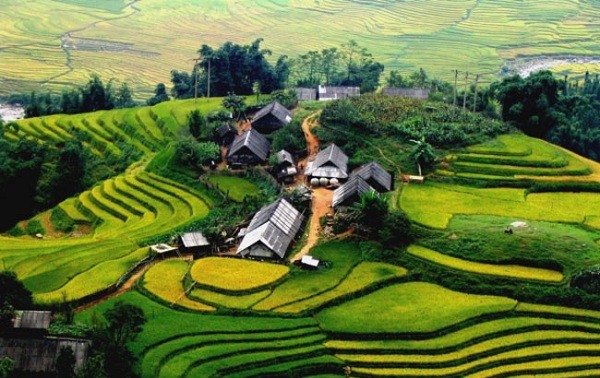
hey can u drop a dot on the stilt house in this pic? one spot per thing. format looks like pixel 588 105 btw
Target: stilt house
pixel 329 163
pixel 350 192
pixel 250 148
pixel 379 179
pixel 271 118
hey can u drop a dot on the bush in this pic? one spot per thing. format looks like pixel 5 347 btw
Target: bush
pixel 396 230
pixel 34 227
pixel 61 221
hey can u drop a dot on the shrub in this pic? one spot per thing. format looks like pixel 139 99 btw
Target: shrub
pixel 34 227
pixel 61 221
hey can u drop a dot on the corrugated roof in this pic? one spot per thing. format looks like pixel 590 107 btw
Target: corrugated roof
pixel 252 139
pixel 33 320
pixel 373 171
pixel 336 93
pixel 225 129
pixel 275 226
pixel 284 157
pixel 330 162
pixel 194 239
pixel 279 111
pixel 356 186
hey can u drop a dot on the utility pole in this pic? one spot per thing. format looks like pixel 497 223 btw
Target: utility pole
pixel 465 94
pixel 475 95
pixel 455 84
pixel 196 79
pixel 208 80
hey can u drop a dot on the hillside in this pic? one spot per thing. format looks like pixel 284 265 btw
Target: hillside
pixel 466 298
pixel 405 35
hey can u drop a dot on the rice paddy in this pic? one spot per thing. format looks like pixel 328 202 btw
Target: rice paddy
pixel 401 35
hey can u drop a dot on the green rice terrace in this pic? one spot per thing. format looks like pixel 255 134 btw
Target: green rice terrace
pixel 464 299
pixel 486 36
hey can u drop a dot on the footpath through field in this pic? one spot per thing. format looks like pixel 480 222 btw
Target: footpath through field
pixel 321 197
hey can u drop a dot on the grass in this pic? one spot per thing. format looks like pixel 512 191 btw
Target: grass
pixel 509 271
pixel 228 301
pixel 233 187
pixel 557 246
pixel 236 274
pixel 165 280
pixel 379 312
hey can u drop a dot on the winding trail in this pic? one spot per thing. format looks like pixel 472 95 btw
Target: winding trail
pixel 68 35
pixel 321 197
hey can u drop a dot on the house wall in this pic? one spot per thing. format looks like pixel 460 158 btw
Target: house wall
pixel 244 157
pixel 259 250
pixel 39 355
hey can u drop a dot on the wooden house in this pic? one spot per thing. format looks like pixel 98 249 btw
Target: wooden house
pixel 225 134
pixel 285 169
pixel 418 93
pixel 350 192
pixel 250 148
pixel 379 179
pixel 30 348
pixel 271 118
pixel 328 93
pixel 271 231
pixel 330 163
pixel 194 243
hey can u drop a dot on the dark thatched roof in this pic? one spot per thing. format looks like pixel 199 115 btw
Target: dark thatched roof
pixel 275 226
pixel 375 175
pixel 254 141
pixel 330 163
pixel 350 191
pixel 277 110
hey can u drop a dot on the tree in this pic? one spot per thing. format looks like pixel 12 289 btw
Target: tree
pixel 236 104
pixel 396 230
pixel 160 95
pixel 6 367
pixel 13 295
pixel 369 213
pixel 95 96
pixel 65 363
pixel 124 97
pixel 423 153
pixel 395 80
pixel 183 84
pixel 196 122
pixel 208 152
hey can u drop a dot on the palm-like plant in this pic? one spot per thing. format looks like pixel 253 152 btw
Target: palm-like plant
pixel 422 153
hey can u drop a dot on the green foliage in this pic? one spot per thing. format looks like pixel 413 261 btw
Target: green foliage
pixel 423 154
pixel 290 138
pixel 61 221
pixel 208 152
pixel 6 367
pixel 34 227
pixel 160 95
pixel 236 104
pixel 286 97
pixel 13 292
pixel 196 124
pixel 588 280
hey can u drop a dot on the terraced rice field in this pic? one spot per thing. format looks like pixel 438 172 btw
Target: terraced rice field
pixel 125 210
pixel 85 37
pixel 147 129
pixel 233 187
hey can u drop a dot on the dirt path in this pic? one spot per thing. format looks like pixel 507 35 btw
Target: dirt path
pixel 127 285
pixel 321 205
pixel 321 197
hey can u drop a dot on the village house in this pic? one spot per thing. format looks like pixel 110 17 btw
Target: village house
pixel 330 163
pixel 225 134
pixel 285 169
pixel 350 192
pixel 30 347
pixel 377 177
pixel 250 148
pixel 194 243
pixel 328 93
pixel 271 231
pixel 271 118
pixel 417 93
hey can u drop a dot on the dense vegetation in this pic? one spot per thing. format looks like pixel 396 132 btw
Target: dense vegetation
pixel 555 110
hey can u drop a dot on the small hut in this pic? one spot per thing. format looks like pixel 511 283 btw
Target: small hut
pixel 225 134
pixel 194 243
pixel 250 148
pixel 285 168
pixel 306 94
pixel 375 175
pixel 271 118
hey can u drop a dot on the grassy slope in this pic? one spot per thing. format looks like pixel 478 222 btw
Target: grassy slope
pixel 430 31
